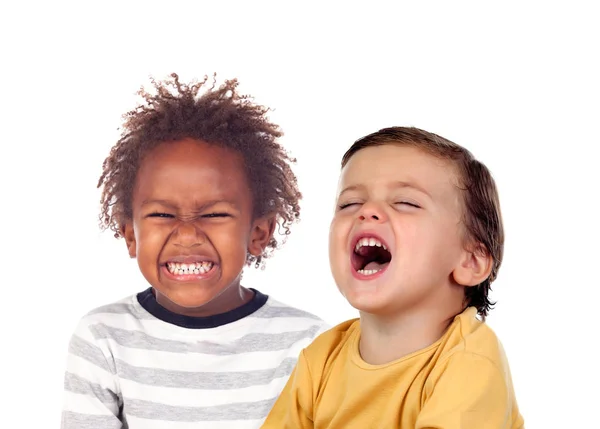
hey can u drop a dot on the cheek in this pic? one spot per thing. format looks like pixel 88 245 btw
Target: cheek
pixel 231 240
pixel 410 234
pixel 150 240
pixel 339 230
pixel 450 232
pixel 442 244
pixel 419 243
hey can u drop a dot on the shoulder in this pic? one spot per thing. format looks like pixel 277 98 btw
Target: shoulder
pixel 339 333
pixel 128 306
pixel 329 349
pixel 331 343
pixel 468 380
pixel 275 308
pixel 89 345
pixel 473 347
pixel 106 320
pixel 468 387
pixel 292 318
pixel 474 337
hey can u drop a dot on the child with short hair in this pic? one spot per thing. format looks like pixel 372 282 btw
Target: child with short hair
pixel 415 242
pixel 196 185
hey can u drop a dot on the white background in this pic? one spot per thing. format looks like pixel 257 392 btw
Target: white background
pixel 517 83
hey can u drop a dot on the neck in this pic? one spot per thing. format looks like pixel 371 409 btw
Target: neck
pixel 388 338
pixel 229 299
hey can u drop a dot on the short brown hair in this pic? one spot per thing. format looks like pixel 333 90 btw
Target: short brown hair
pixel 482 217
pixel 216 115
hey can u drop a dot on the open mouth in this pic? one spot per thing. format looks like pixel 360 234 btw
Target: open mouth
pixel 370 256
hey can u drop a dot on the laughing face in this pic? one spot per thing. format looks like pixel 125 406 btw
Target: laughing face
pixel 192 226
pixel 396 239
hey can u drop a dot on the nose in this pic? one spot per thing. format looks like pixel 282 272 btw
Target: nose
pixel 372 212
pixel 187 234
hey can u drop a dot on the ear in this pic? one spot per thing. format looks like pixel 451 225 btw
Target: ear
pixel 260 235
pixel 474 267
pixel 129 234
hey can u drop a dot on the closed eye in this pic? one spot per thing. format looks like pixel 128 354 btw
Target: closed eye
pixel 163 215
pixel 406 203
pixel 345 205
pixel 213 215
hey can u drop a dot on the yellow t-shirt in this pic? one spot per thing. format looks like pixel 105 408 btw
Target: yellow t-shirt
pixel 461 381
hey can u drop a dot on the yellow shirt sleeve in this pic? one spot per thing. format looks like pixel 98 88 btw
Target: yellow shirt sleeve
pixel 468 392
pixel 294 407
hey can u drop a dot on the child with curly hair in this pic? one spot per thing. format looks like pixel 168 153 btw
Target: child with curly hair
pixel 195 185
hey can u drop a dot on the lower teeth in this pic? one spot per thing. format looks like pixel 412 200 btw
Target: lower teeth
pixel 368 272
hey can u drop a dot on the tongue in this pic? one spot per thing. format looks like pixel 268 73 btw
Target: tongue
pixel 374 266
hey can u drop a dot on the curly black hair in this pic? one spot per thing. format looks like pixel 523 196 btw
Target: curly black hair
pixel 218 116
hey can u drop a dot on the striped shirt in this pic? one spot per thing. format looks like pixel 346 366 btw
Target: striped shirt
pixel 133 364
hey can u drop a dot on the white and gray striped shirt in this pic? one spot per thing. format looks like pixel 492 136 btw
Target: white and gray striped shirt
pixel 133 364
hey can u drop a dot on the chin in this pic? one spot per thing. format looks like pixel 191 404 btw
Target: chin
pixel 367 307
pixel 187 298
pixel 364 300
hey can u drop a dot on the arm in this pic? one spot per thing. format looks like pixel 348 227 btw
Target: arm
pixel 470 392
pixel 294 407
pixel 91 396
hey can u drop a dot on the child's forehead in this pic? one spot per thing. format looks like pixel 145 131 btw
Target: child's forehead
pixel 188 165
pixel 191 155
pixel 397 163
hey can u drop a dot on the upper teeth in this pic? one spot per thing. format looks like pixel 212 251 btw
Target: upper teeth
pixel 369 241
pixel 195 268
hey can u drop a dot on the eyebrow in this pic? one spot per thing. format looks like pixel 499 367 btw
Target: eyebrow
pixel 396 184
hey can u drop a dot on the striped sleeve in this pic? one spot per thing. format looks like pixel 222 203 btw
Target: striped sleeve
pixel 92 399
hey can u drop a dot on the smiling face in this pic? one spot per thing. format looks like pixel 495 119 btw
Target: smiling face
pixel 192 225
pixel 396 239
